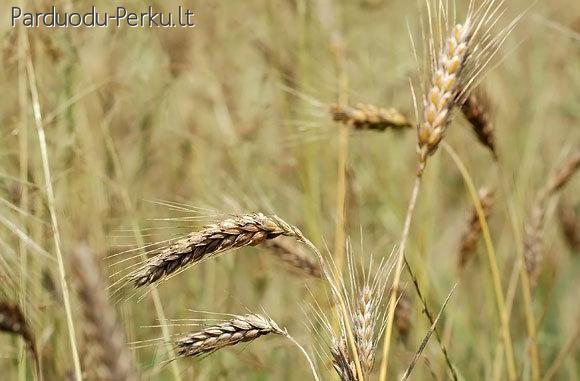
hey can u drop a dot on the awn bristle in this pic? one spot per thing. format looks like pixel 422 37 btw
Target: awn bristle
pixel 107 356
pixel 444 89
pixel 473 232
pixel 569 224
pixel 232 233
pixel 12 321
pixel 292 255
pixel 239 329
pixel 533 242
pixel 477 110
pixel 341 361
pixel 369 117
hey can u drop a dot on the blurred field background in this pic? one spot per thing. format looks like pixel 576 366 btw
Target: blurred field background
pixel 220 117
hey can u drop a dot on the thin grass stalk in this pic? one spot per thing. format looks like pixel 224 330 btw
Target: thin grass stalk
pixel 431 321
pixel 165 330
pixel 494 268
pixel 52 210
pixel 340 231
pixel 427 337
pixel 24 197
pixel 564 352
pixel 397 279
pixel 525 281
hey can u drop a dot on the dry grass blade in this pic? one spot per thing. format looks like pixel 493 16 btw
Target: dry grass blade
pixel 477 110
pixel 533 241
pixel 570 224
pixel 12 321
pixel 240 231
pixel 427 337
pixel 239 329
pixel 296 259
pixel 473 231
pixel 369 117
pixel 341 361
pixel 107 354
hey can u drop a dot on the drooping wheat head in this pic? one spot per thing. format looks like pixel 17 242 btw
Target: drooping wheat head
pixel 237 330
pixel 473 232
pixel 403 315
pixel 296 259
pixel 369 117
pixel 106 355
pixel 477 110
pixel 570 224
pixel 13 321
pixel 229 234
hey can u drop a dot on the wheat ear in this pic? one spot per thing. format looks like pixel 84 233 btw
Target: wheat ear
pixel 292 255
pixel 13 321
pixel 341 361
pixel 439 101
pixel 477 110
pixel 232 233
pixel 105 341
pixel 473 232
pixel 369 117
pixel 570 224
pixel 237 330
pixel 533 242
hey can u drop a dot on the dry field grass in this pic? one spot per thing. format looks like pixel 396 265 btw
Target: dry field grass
pixel 114 140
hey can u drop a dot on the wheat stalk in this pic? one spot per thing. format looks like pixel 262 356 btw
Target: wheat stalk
pixel 477 110
pixel 294 257
pixel 473 232
pixel 105 341
pixel 237 330
pixel 232 233
pixel 369 117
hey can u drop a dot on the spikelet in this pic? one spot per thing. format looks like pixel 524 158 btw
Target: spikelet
pixel 232 233
pixel 294 257
pixel 237 330
pixel 341 361
pixel 369 117
pixel 12 321
pixel 106 355
pixel 533 242
pixel 570 224
pixel 477 111
pixel 442 95
pixel 473 231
